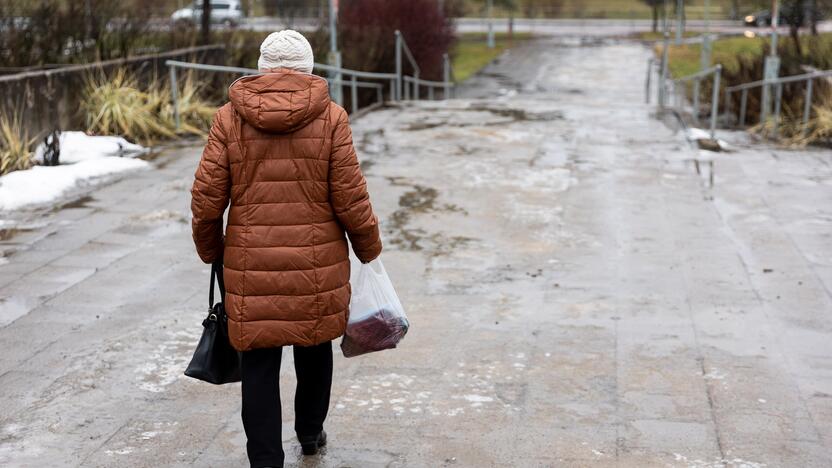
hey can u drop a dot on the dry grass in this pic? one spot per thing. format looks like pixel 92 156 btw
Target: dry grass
pixel 15 145
pixel 791 130
pixel 117 106
pixel 195 113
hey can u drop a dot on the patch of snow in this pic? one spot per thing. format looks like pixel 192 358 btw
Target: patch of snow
pixel 717 463
pixel 477 398
pixel 41 184
pixel 166 364
pixel 78 146
pixel 694 134
pixel 124 451
pixel 714 374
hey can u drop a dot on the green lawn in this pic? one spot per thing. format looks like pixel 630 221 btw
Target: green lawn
pixel 613 9
pixel 471 52
pixel 731 52
pixel 657 36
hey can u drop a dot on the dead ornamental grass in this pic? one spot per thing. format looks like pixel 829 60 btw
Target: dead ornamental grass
pixel 117 105
pixel 790 127
pixel 15 144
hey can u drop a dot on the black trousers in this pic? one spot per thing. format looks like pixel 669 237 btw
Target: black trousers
pixel 261 398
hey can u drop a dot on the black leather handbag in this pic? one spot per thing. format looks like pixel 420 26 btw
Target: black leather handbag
pixel 215 361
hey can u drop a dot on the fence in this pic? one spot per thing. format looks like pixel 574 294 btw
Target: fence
pixel 771 87
pixel 50 99
pixel 777 84
pixel 677 89
pixel 401 86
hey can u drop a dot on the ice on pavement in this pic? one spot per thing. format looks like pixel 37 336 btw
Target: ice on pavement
pixel 41 184
pixel 694 134
pixel 78 146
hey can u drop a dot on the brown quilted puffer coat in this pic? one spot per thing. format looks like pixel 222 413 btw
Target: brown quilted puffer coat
pixel 282 154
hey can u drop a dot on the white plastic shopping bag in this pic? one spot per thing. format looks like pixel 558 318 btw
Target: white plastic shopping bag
pixel 377 319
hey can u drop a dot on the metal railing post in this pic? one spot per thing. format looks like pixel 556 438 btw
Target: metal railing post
pixel 174 96
pixel 339 80
pixel 416 86
pixel 354 94
pixel 446 74
pixel 715 100
pixel 727 107
pixel 647 81
pixel 696 100
pixel 807 107
pixel 765 102
pixel 778 98
pixel 743 106
pixel 398 65
pixel 406 91
pixel 430 93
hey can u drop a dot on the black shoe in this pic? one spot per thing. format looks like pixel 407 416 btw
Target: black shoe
pixel 310 445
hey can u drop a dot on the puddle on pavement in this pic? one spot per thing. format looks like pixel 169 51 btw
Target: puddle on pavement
pixel 12 308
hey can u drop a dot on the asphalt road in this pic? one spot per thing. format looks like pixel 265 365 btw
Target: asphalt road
pixel 579 297
pixel 541 27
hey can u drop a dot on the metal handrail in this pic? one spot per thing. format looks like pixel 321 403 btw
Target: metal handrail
pixel 778 84
pixel 716 71
pixel 415 82
pixel 780 80
pixel 698 75
pixel 356 73
pixel 409 54
pixel 413 79
pixel 353 82
pixel 337 78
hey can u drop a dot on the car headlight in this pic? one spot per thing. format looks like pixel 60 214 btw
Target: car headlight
pixel 749 18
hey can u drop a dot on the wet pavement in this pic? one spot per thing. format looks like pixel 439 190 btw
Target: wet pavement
pixel 579 296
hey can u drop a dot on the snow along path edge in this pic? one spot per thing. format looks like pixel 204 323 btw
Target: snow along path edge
pixel 41 185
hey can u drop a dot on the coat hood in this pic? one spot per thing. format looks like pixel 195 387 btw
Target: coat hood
pixel 279 102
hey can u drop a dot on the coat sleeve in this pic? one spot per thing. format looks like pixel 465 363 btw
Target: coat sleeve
pixel 348 193
pixel 210 194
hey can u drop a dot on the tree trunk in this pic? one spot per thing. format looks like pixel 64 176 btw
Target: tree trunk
pixel 794 33
pixel 206 22
pixel 655 18
pixel 814 16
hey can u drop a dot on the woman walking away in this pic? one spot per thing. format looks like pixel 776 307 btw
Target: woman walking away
pixel 282 154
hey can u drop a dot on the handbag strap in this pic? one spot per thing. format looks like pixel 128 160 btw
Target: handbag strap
pixel 216 272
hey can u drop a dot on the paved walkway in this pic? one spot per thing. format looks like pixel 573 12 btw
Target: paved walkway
pixel 578 296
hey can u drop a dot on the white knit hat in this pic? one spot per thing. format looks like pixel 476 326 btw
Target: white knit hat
pixel 286 49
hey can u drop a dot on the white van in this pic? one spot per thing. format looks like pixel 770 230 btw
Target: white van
pixel 226 12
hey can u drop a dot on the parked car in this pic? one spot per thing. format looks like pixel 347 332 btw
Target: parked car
pixel 760 19
pixel 226 12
